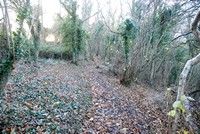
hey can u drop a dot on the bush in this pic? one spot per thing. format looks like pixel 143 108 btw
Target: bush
pixel 23 45
pixel 73 36
pixel 55 51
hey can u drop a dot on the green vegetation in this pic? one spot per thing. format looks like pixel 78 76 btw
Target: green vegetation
pixel 53 48
pixel 152 44
pixel 55 51
pixel 73 37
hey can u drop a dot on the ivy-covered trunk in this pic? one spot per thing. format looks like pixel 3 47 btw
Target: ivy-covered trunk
pixel 71 30
pixel 35 50
pixel 35 33
pixel 126 49
pixel 74 40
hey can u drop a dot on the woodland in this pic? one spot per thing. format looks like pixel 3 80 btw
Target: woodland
pixel 102 67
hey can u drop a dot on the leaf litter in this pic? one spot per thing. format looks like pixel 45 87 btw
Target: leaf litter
pixel 59 97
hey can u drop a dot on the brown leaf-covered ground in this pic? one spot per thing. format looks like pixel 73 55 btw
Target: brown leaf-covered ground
pixel 118 109
pixel 59 97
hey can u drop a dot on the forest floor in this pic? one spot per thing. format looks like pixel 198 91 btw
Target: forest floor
pixel 59 97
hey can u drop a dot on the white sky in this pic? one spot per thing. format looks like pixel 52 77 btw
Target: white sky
pixel 52 7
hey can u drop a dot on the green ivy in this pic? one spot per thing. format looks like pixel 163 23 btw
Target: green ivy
pixel 69 32
pixel 178 106
pixel 129 30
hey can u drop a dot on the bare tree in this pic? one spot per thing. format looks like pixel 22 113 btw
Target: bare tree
pixel 35 29
pixel 8 29
pixel 185 72
pixel 20 7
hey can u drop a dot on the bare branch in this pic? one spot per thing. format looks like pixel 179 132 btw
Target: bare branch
pixel 109 26
pixel 1 19
pixel 66 8
pixel 185 34
pixel 90 17
pixel 194 27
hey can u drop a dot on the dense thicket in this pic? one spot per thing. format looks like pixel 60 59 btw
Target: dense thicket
pixel 151 45
pixel 148 43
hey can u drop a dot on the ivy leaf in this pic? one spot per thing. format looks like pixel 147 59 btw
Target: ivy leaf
pixel 56 104
pixel 172 113
pixel 177 104
pixel 185 132
pixel 183 97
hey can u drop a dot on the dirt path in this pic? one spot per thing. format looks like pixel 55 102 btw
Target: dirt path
pixel 117 109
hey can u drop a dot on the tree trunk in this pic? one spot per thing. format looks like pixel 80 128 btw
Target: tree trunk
pixel 8 30
pixel 35 29
pixel 152 72
pixel 74 40
pixel 184 75
pixel 181 87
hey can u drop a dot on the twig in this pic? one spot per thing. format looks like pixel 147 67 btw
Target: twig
pixel 109 27
pixel 185 34
pixel 90 16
